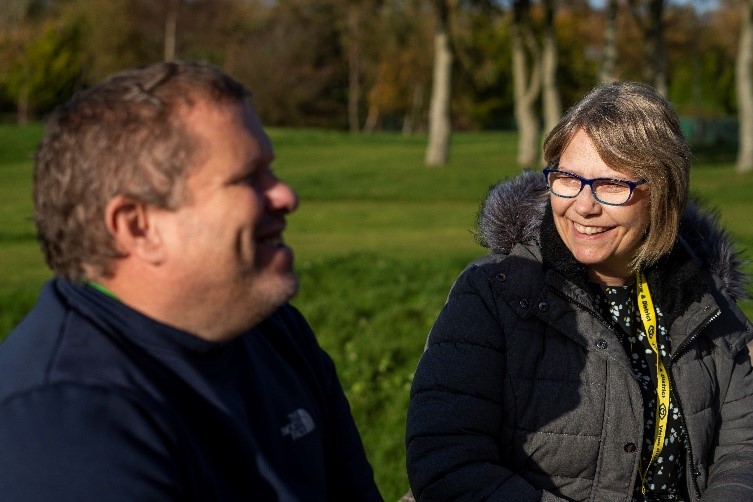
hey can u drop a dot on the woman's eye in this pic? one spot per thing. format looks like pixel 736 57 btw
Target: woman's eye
pixel 570 181
pixel 613 187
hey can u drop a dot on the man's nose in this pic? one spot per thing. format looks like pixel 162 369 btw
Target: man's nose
pixel 281 197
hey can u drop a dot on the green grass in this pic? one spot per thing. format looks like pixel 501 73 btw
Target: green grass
pixel 379 238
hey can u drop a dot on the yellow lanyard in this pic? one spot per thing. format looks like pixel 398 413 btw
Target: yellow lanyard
pixel 648 316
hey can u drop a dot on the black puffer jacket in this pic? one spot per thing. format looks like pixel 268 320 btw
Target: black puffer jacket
pixel 525 392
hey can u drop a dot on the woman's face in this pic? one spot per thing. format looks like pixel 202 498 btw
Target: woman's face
pixel 605 238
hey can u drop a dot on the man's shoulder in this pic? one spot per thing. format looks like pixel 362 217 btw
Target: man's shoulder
pixel 28 351
pixel 56 345
pixel 52 435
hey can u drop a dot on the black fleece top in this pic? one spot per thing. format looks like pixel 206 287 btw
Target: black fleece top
pixel 99 402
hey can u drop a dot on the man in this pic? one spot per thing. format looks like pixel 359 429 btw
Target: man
pixel 163 362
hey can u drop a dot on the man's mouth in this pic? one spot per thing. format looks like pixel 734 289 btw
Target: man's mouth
pixel 589 230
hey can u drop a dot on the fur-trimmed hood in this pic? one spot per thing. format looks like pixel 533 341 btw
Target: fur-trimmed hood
pixel 514 209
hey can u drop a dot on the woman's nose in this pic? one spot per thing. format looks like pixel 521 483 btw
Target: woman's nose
pixel 585 202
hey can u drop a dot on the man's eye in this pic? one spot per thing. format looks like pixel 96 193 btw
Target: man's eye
pixel 250 179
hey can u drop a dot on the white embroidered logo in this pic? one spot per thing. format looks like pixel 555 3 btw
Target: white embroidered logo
pixel 300 424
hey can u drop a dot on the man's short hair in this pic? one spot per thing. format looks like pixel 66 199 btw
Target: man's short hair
pixel 124 136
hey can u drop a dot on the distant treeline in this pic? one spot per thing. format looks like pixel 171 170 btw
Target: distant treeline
pixel 362 64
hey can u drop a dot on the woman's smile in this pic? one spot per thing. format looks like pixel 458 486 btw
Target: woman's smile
pixel 589 230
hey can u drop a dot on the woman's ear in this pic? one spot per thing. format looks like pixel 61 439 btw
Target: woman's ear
pixel 132 225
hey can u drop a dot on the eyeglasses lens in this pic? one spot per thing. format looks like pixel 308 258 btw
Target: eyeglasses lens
pixel 612 192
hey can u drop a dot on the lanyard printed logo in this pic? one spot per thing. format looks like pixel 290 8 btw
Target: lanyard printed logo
pixel 648 316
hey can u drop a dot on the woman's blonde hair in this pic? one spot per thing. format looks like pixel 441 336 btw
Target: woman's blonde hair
pixel 635 131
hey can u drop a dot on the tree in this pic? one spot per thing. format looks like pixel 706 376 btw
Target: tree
pixel 482 77
pixel 171 25
pixel 353 46
pixel 39 57
pixel 293 61
pixel 334 63
pixel 352 26
pixel 608 70
pixel 648 15
pixel 438 149
pixel 550 91
pixel 47 73
pixel 717 54
pixel 370 38
pixel 107 46
pixel 526 66
pixel 744 80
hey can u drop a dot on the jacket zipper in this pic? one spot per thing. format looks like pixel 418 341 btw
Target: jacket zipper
pixel 673 392
pixel 593 313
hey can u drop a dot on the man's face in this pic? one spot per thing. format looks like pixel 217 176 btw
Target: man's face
pixel 225 242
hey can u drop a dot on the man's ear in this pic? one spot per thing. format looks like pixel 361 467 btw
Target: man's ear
pixel 132 225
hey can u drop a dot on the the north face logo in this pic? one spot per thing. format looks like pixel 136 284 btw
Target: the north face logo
pixel 300 424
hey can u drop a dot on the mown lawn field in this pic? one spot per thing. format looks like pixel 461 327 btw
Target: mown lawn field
pixel 379 238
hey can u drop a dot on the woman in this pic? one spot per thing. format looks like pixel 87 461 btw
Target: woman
pixel 539 381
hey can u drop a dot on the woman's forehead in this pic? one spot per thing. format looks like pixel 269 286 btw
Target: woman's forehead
pixel 580 156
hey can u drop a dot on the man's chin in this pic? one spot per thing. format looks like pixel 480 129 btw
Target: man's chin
pixel 281 288
pixel 292 286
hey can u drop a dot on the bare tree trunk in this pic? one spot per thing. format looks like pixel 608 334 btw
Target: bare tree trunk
pixel 697 91
pixel 526 88
pixel 607 73
pixel 171 23
pixel 550 92
pixel 660 49
pixel 354 67
pixel 22 106
pixel 744 81
pixel 438 149
pixel 372 119
pixel 412 116
pixel 654 48
pixel 373 101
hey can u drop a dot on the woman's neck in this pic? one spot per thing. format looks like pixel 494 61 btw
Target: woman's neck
pixel 610 279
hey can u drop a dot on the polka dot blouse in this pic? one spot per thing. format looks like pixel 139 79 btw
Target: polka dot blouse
pixel 665 478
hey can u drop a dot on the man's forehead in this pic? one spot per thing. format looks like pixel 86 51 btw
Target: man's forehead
pixel 230 121
pixel 199 107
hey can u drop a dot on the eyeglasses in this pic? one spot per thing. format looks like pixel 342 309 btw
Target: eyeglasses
pixel 609 191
